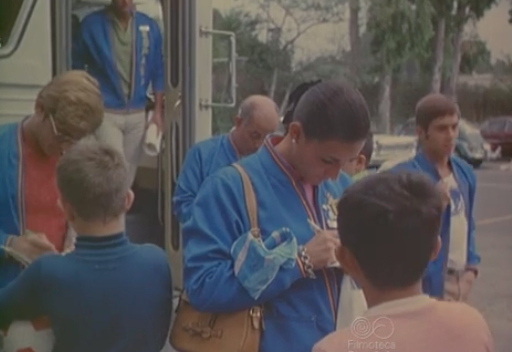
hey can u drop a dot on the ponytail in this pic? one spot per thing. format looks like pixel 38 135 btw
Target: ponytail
pixel 293 100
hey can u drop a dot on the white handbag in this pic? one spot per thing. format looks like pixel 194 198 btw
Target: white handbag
pixel 352 303
pixel 23 335
pixel 28 336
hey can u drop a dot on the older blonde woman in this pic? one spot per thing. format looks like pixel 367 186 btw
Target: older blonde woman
pixel 66 110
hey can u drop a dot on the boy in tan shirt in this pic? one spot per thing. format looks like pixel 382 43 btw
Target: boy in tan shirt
pixel 387 257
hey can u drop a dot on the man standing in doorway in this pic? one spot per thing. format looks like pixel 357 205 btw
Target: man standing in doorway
pixel 452 274
pixel 122 49
pixel 67 109
pixel 258 116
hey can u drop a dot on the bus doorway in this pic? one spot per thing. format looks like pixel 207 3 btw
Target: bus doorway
pixel 39 35
pixel 144 222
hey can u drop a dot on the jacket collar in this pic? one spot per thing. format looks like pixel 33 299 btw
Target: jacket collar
pixel 229 147
pixel 274 164
pixel 428 167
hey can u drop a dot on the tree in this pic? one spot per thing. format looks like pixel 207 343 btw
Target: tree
pixel 257 61
pixel 355 38
pixel 399 29
pixel 287 21
pixel 442 12
pixel 464 11
pixel 510 13
pixel 475 57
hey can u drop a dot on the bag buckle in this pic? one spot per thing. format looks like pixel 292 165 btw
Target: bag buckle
pixel 256 315
pixel 204 331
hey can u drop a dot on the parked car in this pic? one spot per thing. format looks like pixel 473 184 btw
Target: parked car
pixel 470 145
pixel 387 147
pixel 497 132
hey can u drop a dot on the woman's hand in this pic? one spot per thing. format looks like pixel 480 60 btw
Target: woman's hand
pixel 322 247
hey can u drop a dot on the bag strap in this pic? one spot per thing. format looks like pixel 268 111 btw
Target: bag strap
pixel 250 199
pixel 256 312
pixel 252 211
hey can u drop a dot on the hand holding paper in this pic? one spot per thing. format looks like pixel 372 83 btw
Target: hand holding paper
pixel 28 247
pixel 153 136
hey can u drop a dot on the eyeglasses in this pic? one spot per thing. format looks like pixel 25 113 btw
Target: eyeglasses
pixel 60 137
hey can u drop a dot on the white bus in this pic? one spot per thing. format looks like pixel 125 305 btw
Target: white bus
pixel 35 45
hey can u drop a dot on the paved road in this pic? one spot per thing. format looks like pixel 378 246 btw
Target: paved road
pixel 492 293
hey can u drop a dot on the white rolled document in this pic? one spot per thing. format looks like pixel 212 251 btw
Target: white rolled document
pixel 152 140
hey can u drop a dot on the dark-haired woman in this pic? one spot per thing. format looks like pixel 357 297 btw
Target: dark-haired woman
pixel 289 273
pixel 344 178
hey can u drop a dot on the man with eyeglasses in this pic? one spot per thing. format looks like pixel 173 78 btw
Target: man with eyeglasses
pixel 257 117
pixel 66 110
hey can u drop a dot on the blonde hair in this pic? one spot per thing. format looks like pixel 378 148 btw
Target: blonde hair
pixel 92 178
pixel 74 101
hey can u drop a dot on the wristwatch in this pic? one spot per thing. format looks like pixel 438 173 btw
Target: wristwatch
pixel 306 262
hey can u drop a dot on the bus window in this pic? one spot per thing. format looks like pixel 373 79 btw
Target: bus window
pixel 9 10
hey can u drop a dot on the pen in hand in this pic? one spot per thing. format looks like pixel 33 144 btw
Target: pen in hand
pixel 318 229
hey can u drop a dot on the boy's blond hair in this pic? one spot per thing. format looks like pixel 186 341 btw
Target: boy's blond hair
pixel 92 178
pixel 74 101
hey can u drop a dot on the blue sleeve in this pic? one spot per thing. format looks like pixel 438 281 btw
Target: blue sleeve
pixel 157 76
pixel 472 257
pixel 79 50
pixel 344 180
pixel 20 299
pixel 219 217
pixel 189 182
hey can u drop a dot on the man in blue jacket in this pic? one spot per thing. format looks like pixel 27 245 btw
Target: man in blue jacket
pixel 122 49
pixel 452 274
pixel 258 116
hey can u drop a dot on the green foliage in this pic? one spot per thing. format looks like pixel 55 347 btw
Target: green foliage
pixel 510 13
pixel 306 11
pixel 503 67
pixel 476 57
pixel 400 29
pixel 323 67
pixel 476 9
pixel 442 8
pixel 246 26
pixel 256 61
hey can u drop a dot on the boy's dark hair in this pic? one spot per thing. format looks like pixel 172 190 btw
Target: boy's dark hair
pixel 390 222
pixel 333 111
pixel 434 106
pixel 293 100
pixel 93 178
pixel 367 150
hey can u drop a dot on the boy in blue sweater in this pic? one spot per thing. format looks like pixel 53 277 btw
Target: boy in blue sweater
pixel 107 295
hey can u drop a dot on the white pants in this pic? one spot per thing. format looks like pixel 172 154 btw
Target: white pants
pixel 125 132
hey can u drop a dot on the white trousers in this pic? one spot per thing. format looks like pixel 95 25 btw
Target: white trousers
pixel 125 132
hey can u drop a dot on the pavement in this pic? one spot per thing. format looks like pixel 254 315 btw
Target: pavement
pixel 492 293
